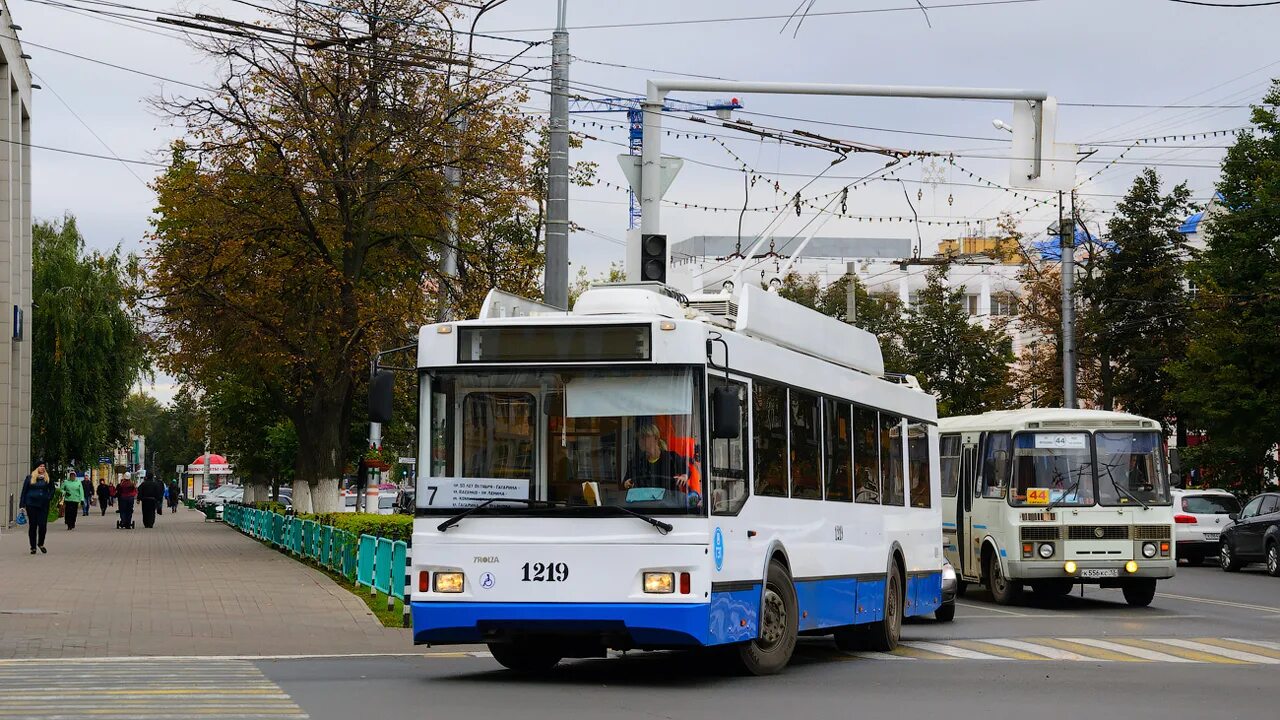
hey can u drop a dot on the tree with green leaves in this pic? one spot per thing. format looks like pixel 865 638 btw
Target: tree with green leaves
pixel 1137 303
pixel 1229 380
pixel 961 362
pixel 86 346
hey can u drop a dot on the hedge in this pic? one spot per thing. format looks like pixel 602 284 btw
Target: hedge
pixel 392 527
pixel 270 505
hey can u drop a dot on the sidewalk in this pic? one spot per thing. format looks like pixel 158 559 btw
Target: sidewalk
pixel 184 587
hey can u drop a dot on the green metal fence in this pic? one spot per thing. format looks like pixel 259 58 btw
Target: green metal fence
pixel 376 563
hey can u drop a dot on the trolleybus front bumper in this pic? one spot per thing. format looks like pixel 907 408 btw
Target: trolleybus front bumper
pixel 615 625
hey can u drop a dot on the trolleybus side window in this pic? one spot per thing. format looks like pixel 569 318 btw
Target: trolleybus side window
pixel 441 429
pixel 891 459
pixel 729 460
pixel 769 408
pixel 837 431
pixel 918 474
pixel 949 456
pixel 995 465
pixel 806 446
pixel 866 457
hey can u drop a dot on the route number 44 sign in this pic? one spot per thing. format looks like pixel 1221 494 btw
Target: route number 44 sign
pixel 1037 496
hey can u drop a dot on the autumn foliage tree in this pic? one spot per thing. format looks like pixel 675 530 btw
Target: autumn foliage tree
pixel 300 225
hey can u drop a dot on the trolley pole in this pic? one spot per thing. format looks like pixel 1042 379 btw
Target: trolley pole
pixel 1066 233
pixel 555 285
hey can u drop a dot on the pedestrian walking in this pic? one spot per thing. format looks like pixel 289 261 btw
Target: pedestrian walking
pixel 126 493
pixel 37 494
pixel 173 495
pixel 88 493
pixel 72 497
pixel 104 495
pixel 151 495
pixel 111 499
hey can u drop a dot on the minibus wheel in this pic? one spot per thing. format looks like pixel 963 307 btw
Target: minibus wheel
pixel 779 624
pixel 524 656
pixel 1005 590
pixel 1139 592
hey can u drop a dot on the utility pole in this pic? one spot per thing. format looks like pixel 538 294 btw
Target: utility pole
pixel 556 274
pixel 1067 236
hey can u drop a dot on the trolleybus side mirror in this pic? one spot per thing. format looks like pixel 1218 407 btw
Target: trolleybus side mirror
pixel 726 413
pixel 381 387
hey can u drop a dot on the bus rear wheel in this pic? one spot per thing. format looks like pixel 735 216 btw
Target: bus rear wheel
pixel 884 635
pixel 523 656
pixel 779 625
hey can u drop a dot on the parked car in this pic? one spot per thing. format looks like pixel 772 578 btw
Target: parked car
pixel 1199 517
pixel 1253 536
pixel 215 495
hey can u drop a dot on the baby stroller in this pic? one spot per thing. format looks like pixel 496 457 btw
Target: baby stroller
pixel 126 513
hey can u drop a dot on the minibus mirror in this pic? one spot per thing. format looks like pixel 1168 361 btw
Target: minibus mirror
pixel 726 413
pixel 381 390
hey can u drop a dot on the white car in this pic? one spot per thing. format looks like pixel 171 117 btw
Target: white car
pixel 1199 517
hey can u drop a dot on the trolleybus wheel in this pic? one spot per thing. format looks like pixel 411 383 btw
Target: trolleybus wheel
pixel 523 657
pixel 1139 592
pixel 1004 590
pixel 883 635
pixel 779 625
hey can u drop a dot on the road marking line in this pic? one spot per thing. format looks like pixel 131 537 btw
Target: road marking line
pixel 1090 652
pixel 986 646
pixel 1044 651
pixel 1120 647
pixel 867 655
pixel 201 659
pixel 995 610
pixel 1248 657
pixel 1203 654
pixel 905 651
pixel 1209 601
pixel 1257 643
pixel 952 651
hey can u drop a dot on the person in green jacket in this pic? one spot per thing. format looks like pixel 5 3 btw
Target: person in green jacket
pixel 72 497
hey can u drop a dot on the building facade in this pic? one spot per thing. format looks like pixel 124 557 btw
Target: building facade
pixel 15 268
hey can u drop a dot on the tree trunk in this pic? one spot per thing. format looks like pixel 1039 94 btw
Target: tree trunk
pixel 321 424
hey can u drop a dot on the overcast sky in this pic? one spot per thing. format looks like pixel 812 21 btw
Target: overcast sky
pixel 1145 52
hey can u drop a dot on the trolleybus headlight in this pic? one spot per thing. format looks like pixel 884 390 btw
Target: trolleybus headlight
pixel 1070 567
pixel 659 582
pixel 447 582
pixel 1046 550
pixel 1148 550
pixel 1131 566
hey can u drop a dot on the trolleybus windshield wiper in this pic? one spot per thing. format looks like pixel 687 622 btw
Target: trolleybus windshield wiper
pixel 662 527
pixel 458 518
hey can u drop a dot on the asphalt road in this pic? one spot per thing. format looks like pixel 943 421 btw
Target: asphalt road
pixel 1208 647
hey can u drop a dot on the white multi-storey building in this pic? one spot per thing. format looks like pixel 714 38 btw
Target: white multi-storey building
pixel 15 268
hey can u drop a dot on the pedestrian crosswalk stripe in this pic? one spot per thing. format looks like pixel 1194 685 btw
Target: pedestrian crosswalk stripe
pixel 1221 651
pixel 107 690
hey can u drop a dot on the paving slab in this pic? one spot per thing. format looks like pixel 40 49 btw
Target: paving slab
pixel 186 587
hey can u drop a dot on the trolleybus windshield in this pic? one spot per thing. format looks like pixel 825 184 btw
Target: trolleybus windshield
pixel 576 438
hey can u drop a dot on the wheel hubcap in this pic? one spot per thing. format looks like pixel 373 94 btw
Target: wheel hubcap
pixel 1273 560
pixel 1226 556
pixel 774 623
pixel 997 579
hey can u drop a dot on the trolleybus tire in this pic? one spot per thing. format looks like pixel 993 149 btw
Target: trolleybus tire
pixel 1227 558
pixel 779 626
pixel 883 635
pixel 523 657
pixel 1139 592
pixel 1006 591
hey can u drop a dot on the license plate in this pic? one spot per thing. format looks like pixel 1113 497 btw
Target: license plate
pixel 1099 573
pixel 1211 537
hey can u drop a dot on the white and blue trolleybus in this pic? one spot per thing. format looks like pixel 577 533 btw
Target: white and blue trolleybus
pixel 650 471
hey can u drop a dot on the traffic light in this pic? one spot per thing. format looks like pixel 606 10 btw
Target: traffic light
pixel 653 258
